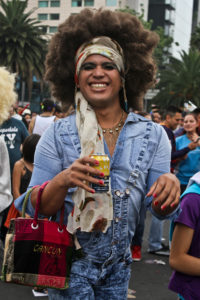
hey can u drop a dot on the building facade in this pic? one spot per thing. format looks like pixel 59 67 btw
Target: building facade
pixel 53 12
pixel 196 14
pixel 175 16
pixel 183 27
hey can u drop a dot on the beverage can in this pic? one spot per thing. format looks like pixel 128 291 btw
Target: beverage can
pixel 104 167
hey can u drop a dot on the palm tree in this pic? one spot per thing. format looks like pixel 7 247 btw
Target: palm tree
pixel 180 81
pixel 22 45
pixel 195 38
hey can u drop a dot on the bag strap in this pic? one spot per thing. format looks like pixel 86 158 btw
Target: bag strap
pixel 26 200
pixel 38 205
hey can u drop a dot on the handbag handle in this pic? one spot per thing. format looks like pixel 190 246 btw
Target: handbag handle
pixel 26 200
pixel 34 225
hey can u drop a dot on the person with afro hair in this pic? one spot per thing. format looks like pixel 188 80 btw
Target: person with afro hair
pixel 101 63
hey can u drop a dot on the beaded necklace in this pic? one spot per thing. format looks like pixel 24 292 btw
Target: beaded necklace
pixel 116 128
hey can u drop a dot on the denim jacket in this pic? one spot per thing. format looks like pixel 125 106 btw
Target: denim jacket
pixel 142 154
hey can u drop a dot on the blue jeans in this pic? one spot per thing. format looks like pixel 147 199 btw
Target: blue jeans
pixel 112 286
pixel 155 234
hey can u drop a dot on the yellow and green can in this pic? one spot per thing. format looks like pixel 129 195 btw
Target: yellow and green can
pixel 104 167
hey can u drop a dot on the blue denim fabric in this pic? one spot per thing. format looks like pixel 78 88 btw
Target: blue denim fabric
pixel 142 154
pixel 112 286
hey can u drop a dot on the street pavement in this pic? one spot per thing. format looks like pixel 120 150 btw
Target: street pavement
pixel 149 279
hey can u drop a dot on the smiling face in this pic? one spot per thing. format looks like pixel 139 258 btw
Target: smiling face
pixel 173 121
pixel 100 81
pixel 190 124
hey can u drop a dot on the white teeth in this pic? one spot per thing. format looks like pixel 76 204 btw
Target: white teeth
pixel 98 85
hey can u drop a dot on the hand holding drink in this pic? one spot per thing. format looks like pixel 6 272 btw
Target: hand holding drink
pixel 104 167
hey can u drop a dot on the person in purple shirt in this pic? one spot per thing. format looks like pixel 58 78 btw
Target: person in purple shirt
pixel 185 247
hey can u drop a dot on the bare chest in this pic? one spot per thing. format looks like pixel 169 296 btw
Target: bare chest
pixel 111 140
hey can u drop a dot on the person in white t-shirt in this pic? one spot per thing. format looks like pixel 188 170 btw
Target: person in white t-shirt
pixel 41 122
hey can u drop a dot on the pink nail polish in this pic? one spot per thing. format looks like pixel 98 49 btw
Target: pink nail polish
pixel 102 174
pixel 163 207
pixel 92 191
pixel 96 162
pixel 155 195
pixel 101 182
pixel 155 203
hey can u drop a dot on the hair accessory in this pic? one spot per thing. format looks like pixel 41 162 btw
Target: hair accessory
pixel 104 46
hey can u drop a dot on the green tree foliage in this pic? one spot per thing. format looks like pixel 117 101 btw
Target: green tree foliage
pixel 195 39
pixel 180 81
pixel 22 45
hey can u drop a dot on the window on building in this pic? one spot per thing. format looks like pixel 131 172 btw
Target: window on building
pixel 43 3
pixel 53 29
pixel 111 2
pixel 55 3
pixel 43 29
pixel 167 15
pixel 42 17
pixel 89 3
pixel 76 3
pixel 166 30
pixel 54 16
pixel 171 2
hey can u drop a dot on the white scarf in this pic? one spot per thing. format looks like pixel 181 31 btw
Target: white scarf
pixel 90 210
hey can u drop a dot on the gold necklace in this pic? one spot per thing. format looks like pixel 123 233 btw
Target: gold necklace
pixel 116 128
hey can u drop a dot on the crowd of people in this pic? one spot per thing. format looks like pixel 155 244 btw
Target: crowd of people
pixel 22 128
pixel 20 131
pixel 182 128
pixel 101 73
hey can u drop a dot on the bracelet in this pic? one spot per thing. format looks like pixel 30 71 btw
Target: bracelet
pixel 38 201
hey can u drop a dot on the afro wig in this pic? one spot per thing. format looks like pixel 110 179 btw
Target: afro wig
pixel 7 95
pixel 137 43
